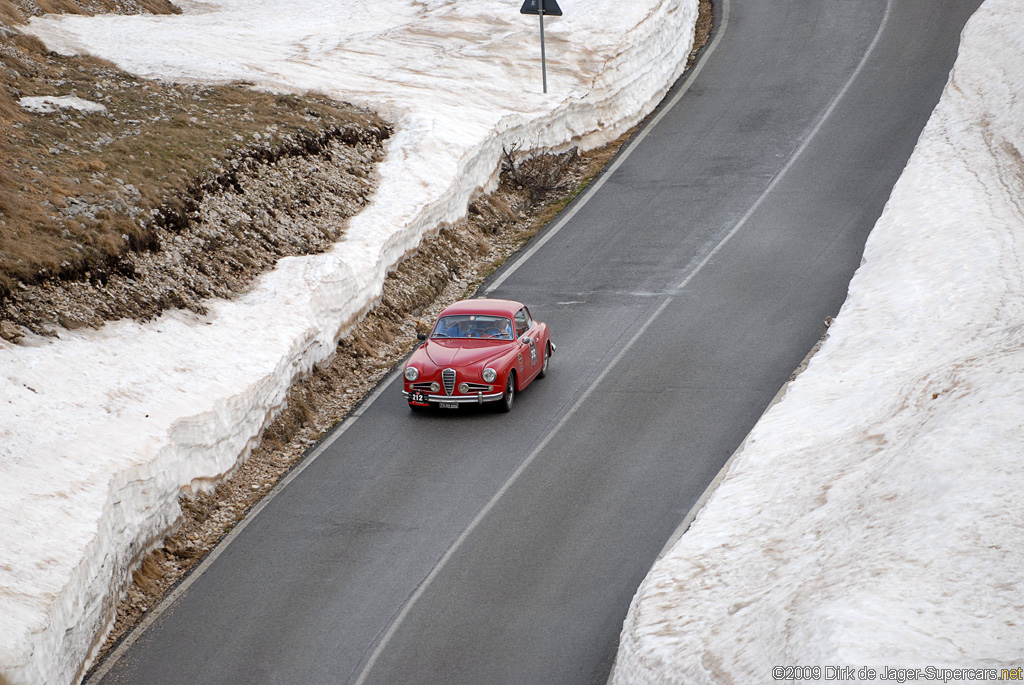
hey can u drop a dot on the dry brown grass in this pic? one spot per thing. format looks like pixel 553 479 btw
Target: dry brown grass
pixel 149 573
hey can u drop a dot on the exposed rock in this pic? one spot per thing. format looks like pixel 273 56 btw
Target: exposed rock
pixel 11 332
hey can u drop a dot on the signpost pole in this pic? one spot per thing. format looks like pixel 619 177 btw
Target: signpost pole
pixel 543 59
pixel 540 8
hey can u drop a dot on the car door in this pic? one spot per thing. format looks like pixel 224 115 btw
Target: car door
pixel 526 331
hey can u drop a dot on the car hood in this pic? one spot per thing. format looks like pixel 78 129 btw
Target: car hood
pixel 463 353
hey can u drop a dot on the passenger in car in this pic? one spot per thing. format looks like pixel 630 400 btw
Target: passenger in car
pixel 455 329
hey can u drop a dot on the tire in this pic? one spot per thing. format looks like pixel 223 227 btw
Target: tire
pixel 547 361
pixel 509 398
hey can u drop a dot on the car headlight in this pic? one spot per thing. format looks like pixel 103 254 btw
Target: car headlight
pixel 411 373
pixel 435 387
pixel 489 375
pixel 464 388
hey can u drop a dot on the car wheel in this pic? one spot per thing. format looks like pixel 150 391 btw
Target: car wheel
pixel 547 361
pixel 509 398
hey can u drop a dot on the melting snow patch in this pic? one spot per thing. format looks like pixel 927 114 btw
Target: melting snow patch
pixel 45 104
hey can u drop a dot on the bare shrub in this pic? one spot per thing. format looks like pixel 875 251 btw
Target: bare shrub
pixel 538 174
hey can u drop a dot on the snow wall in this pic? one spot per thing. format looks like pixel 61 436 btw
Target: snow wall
pixel 873 518
pixel 101 430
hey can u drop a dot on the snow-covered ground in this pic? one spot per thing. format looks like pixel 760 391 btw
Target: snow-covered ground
pixel 100 430
pixel 875 516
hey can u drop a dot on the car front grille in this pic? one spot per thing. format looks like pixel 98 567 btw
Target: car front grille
pixel 448 378
pixel 424 386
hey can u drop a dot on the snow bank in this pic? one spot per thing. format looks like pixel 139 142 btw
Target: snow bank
pixel 100 430
pixel 874 517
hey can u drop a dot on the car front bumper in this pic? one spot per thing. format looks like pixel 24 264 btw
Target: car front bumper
pixel 477 398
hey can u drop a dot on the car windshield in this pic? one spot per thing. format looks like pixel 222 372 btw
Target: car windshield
pixel 473 326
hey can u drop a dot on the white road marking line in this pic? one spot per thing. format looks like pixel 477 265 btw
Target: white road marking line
pixel 799 151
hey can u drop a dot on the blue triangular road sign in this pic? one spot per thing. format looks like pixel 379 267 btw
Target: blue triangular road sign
pixel 551 7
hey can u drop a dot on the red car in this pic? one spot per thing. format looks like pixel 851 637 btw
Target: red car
pixel 478 351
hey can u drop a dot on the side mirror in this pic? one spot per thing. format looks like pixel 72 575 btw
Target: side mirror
pixel 526 340
pixel 421 336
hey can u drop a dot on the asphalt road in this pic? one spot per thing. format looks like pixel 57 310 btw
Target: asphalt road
pixel 474 547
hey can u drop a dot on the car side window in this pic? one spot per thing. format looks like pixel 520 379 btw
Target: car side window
pixel 522 322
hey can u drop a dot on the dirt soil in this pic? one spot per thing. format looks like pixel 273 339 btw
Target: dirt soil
pixel 286 173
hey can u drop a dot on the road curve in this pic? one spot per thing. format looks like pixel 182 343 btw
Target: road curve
pixel 473 547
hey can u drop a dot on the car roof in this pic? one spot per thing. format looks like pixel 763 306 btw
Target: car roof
pixel 484 306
